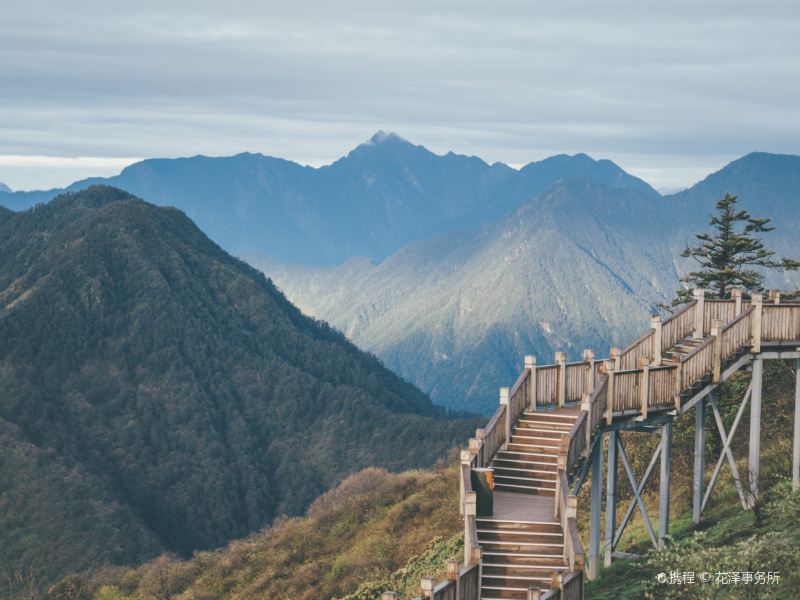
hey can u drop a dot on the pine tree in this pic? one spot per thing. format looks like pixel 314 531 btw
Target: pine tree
pixel 732 255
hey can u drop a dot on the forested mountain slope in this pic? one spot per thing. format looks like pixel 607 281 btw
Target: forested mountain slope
pixel 575 267
pixel 158 394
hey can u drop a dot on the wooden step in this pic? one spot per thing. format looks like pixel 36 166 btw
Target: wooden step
pixel 532 448
pixel 520 537
pixel 503 478
pixel 546 442
pixel 504 524
pixel 545 431
pixel 510 461
pixel 533 474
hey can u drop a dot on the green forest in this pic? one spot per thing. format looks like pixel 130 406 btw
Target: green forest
pixel 158 395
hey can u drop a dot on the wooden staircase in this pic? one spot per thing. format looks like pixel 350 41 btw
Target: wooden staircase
pixel 519 554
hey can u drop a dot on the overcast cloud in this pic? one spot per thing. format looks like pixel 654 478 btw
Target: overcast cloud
pixel 669 90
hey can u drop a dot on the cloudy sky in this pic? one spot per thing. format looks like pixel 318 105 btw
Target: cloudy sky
pixel 669 90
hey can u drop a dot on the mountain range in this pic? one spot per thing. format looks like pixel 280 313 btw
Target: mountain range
pixel 579 265
pixel 450 269
pixel 157 394
pixel 4 187
pixel 385 193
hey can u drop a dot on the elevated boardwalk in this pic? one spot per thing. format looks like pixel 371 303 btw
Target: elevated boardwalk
pixel 547 436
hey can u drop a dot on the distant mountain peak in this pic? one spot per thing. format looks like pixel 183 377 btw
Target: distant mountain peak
pixel 381 137
pixel 4 187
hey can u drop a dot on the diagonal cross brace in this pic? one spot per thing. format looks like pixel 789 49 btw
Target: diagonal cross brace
pixel 727 438
pixel 637 493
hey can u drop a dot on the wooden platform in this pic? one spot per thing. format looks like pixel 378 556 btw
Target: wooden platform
pixel 509 506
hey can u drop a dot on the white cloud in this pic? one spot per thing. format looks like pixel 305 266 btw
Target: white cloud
pixel 682 81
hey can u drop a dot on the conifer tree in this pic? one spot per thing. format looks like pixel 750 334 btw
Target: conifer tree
pixel 731 255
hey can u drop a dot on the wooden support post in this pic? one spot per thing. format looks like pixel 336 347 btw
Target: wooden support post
pixel 561 361
pixel 452 570
pixel 755 331
pixel 504 396
pixel 796 446
pixel 588 358
pixel 530 364
pixel 699 459
pixel 470 510
pixel 533 593
pixel 615 355
pixel 594 512
pixel 663 495
pixel 389 596
pixel 644 391
pixel 474 446
pixel 716 358
pixel 610 392
pixel 556 580
pixel 678 382
pixel 655 324
pixel 611 497
pixel 426 587
pixel 754 458
pixel 736 294
pixel 699 313
pixel 586 406
pixel 774 296
pixel 466 459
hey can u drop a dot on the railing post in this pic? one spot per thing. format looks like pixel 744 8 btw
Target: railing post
pixel 561 361
pixel 699 312
pixel 530 364
pixel 644 390
pixel 426 587
pixel 474 446
pixel 755 332
pixel 736 294
pixel 533 594
pixel 389 596
pixel 655 324
pixel 615 355
pixel 466 459
pixel 452 570
pixel 586 406
pixel 470 510
pixel 504 402
pixel 678 382
pixel 774 296
pixel 610 391
pixel 588 358
pixel 716 357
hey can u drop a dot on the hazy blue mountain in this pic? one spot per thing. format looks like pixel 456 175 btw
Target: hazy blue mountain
pixel 4 187
pixel 385 193
pixel 577 266
pixel 157 394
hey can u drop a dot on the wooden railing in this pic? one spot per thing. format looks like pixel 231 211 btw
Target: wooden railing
pixel 697 364
pixel 520 395
pixel 641 349
pixel 781 322
pixel 547 385
pixel 736 334
pixel 678 326
pixel 633 380
pixel 717 310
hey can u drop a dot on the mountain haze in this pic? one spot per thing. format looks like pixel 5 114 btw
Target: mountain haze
pixel 574 267
pixel 385 193
pixel 579 265
pixel 157 394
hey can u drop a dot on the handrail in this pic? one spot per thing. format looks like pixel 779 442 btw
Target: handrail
pixel 677 326
pixel 641 347
pixel 631 383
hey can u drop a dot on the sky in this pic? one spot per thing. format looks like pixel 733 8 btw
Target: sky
pixel 669 90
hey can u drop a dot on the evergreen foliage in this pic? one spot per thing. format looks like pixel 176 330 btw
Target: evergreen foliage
pixel 732 255
pixel 158 394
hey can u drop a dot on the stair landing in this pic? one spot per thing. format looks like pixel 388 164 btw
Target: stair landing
pixel 509 506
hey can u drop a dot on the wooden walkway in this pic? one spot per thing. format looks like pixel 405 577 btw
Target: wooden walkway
pixel 664 373
pixel 523 508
